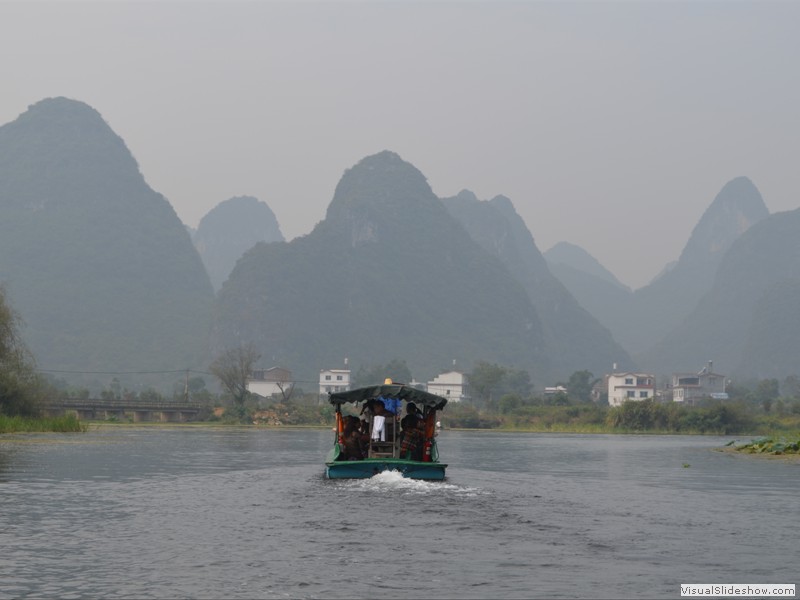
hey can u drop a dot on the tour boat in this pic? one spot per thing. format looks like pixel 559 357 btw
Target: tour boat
pixel 389 427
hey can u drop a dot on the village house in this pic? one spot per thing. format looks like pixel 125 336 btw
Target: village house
pixel 690 387
pixel 630 386
pixel 333 380
pixel 551 391
pixel 451 385
pixel 272 382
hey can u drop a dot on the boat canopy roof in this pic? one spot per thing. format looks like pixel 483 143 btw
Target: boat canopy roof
pixel 394 390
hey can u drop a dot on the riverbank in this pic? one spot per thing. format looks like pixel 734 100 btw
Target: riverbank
pixel 67 424
pixel 555 428
pixel 197 425
pixel 729 418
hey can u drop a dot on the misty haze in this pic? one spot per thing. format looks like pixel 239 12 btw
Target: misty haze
pixel 455 280
pixel 570 222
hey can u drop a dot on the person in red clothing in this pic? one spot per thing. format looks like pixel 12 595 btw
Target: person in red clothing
pixel 411 437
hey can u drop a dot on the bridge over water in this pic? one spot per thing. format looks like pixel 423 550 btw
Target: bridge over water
pixel 163 411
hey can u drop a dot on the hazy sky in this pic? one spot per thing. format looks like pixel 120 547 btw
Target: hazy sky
pixel 609 125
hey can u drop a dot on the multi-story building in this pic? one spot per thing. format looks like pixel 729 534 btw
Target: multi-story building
pixel 690 387
pixel 333 380
pixel 630 386
pixel 451 385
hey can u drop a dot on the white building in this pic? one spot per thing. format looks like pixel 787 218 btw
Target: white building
pixel 333 380
pixel 630 386
pixel 689 387
pixel 275 381
pixel 553 390
pixel 451 385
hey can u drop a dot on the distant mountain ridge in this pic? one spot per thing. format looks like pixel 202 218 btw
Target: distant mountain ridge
pixel 573 337
pixel 388 274
pixel 98 264
pixel 575 257
pixel 594 287
pixel 736 208
pixel 229 229
pixel 641 319
pixel 745 320
pixel 661 306
pixel 109 282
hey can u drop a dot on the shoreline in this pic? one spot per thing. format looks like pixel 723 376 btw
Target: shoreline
pixel 742 438
pixel 792 457
pixel 95 425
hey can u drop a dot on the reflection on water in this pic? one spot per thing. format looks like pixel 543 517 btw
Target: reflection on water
pixel 154 513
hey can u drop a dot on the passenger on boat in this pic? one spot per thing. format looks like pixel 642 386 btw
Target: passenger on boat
pixel 411 437
pixel 391 405
pixel 368 411
pixel 378 421
pixel 411 409
pixel 354 448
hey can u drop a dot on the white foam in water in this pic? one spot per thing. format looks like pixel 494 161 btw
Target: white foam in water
pixel 395 482
pixel 391 478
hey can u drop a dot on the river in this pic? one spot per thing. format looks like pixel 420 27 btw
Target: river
pixel 153 512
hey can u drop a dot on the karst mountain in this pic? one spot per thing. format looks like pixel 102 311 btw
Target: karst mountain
pixel 98 264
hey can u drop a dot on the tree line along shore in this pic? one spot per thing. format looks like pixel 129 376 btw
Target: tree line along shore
pixel 502 401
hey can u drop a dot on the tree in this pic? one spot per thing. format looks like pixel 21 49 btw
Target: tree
pixel 233 368
pixel 396 370
pixel 286 387
pixel 766 393
pixel 579 386
pixel 791 387
pixel 196 385
pixel 20 386
pixel 509 403
pixel 485 380
pixel 517 381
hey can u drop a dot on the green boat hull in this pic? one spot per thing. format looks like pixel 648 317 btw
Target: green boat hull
pixel 369 467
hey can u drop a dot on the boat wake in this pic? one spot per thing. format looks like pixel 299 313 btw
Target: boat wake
pixel 393 482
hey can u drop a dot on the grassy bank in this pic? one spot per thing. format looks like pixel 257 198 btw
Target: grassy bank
pixel 714 418
pixel 642 417
pixel 68 424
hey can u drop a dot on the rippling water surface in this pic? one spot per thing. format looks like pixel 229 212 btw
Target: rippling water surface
pixel 227 513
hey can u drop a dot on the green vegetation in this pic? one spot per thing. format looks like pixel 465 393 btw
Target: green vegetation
pixel 768 445
pixel 19 424
pixel 19 385
pixel 21 389
pixel 753 408
pixel 509 406
pixel 232 368
pixel 716 418
pixel 514 409
pixel 631 417
pixel 502 401
pixel 498 388
pixel 648 415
